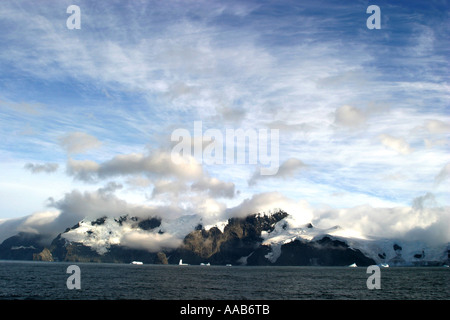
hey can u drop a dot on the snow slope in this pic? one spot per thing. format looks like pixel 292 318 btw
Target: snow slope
pixel 125 230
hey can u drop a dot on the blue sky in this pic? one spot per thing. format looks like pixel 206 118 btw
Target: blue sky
pixel 364 113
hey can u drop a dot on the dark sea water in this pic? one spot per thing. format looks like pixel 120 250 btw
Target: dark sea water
pixel 47 281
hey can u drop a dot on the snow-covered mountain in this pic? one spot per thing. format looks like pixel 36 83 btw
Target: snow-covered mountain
pixel 258 239
pixel 392 252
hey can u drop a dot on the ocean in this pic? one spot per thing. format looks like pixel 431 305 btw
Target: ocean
pixel 48 281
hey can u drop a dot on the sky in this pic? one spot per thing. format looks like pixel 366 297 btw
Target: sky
pixel 362 116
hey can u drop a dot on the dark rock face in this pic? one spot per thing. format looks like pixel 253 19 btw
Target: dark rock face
pixel 149 224
pixel 99 221
pixel 240 237
pixel 21 247
pixel 324 252
pixel 63 250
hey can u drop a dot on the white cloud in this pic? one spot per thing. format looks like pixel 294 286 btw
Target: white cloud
pixel 152 242
pixel 397 144
pixel 443 175
pixel 215 187
pixel 391 223
pixel 84 170
pixel 271 202
pixel 24 107
pixel 437 126
pixel 286 170
pixel 168 186
pixel 79 142
pixel 139 182
pixel 435 143
pixel 157 163
pixel 76 205
pixel 349 116
pixel 37 168
pixel 39 223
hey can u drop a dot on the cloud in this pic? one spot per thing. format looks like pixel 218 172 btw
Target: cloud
pixel 152 242
pixel 76 205
pixel 349 116
pixel 425 39
pixel 215 187
pixel 437 126
pixel 39 223
pixel 139 182
pixel 286 170
pixel 158 164
pixel 33 109
pixel 426 201
pixel 443 175
pixel 43 223
pixel 111 187
pixel 391 223
pixel 285 127
pixel 432 143
pixel 230 115
pixel 78 142
pixel 435 233
pixel 397 144
pixel 268 202
pixel 423 221
pixel 38 168
pixel 167 186
pixel 84 170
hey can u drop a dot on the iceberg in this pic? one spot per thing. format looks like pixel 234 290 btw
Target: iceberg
pixel 181 263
